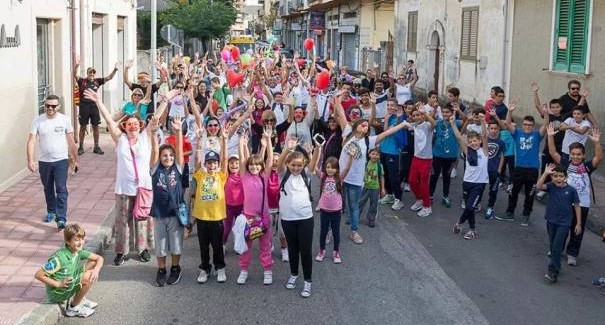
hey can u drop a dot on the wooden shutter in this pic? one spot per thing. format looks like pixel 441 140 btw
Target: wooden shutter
pixel 412 31
pixel 571 36
pixel 579 35
pixel 562 35
pixel 470 33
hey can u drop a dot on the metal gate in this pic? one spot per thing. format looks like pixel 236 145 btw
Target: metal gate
pixel 349 49
pixel 383 57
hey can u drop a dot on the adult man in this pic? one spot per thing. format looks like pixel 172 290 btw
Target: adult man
pixel 143 81
pixel 574 97
pixel 89 113
pixel 54 133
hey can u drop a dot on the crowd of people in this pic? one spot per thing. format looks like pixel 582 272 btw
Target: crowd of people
pixel 232 147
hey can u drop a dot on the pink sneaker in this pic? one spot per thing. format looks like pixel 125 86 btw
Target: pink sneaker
pixel 321 255
pixel 336 257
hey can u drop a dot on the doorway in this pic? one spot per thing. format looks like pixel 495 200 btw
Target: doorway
pixel 435 60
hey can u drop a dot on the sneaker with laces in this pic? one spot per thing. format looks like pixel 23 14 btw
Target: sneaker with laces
pixel 337 258
pixel 49 217
pixel 470 235
pixel 160 277
pixel 243 276
pixel 489 213
pixel 397 205
pixel 291 284
pixel 203 277
pixel 145 256
pixel 356 237
pixel 80 151
pixel 119 260
pixel 550 277
pixel 508 217
pixel 425 212
pixel 89 303
pixel 525 221
pixel 387 199
pixel 175 274
pixel 79 311
pixel 457 228
pixel 416 206
pixel 571 260
pixel 406 187
pixel 221 277
pixel 284 255
pixel 446 202
pixel 320 255
pixel 60 224
pixel 268 277
pixel 598 282
pixel 98 150
pixel 453 173
pixel 306 291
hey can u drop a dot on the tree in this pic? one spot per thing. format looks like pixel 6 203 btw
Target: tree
pixel 201 18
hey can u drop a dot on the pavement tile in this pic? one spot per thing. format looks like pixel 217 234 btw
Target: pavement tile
pixel 9 269
pixel 23 278
pixel 12 292
pixel 35 293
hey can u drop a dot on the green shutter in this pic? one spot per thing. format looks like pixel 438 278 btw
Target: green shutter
pixel 571 27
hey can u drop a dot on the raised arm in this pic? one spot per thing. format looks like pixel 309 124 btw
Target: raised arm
pixel 537 104
pixel 242 152
pixel 113 72
pixel 339 113
pixel 111 124
pixel 392 130
pixel 125 78
pixel 459 137
pixel 509 117
pixel 315 159
pixel 155 149
pixel 75 73
pixel 224 153
pixel 552 150
pixel 547 171
pixel 281 162
pixel 484 140
pixel 598 150
pixel 177 126
pixel 269 153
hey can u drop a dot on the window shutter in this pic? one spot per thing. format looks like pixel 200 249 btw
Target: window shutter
pixel 562 35
pixel 571 36
pixel 466 24
pixel 412 31
pixel 470 33
pixel 474 33
pixel 579 33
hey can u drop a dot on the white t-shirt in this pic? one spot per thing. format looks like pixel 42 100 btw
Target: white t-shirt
pixel 403 93
pixel 435 111
pixel 323 106
pixel 177 106
pixel 357 171
pixel 477 174
pixel 475 128
pixel 572 136
pixel 381 104
pixel 281 112
pixel 275 89
pixel 52 137
pixel 125 175
pixel 423 140
pixel 295 204
pixel 300 94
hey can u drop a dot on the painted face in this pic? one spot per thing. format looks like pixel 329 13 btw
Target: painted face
pixel 474 143
pixel 213 127
pixel 51 106
pixel 576 155
pixel 254 169
pixel 132 126
pixel 75 244
pixel 233 165
pixel 166 158
pixel 211 166
pixel 558 179
pixel 331 170
pixel 374 156
pixel 296 166
pixel 355 114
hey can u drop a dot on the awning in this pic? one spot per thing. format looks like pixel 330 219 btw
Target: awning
pixel 347 29
pixel 325 4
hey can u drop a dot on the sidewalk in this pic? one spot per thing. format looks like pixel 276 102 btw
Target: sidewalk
pixel 26 241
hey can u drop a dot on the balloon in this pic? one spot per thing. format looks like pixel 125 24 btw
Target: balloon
pixel 323 80
pixel 226 55
pixel 234 78
pixel 309 43
pixel 235 53
pixel 300 62
pixel 245 58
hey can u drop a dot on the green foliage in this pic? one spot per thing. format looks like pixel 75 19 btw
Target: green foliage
pixel 144 31
pixel 204 19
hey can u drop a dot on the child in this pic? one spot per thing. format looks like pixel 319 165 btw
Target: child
pixel 390 150
pixel 66 279
pixel 474 123
pixel 407 153
pixel 527 163
pixel 495 162
pixel 330 205
pixel 273 199
pixel 209 209
pixel 578 176
pixel 373 186
pixel 234 195
pixel 575 128
pixel 167 181
pixel 420 170
pixel 475 174
pixel 445 154
pixel 562 205
pixel 296 215
pixel 254 175
pixel 506 171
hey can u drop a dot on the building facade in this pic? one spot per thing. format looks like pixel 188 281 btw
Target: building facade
pixel 38 45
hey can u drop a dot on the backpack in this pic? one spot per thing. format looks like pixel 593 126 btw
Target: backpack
pixel 305 179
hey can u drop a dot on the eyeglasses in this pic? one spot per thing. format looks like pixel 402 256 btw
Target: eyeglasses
pixel 50 106
pixel 138 95
pixel 528 124
pixel 132 124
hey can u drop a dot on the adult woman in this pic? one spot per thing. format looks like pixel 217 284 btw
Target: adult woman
pixel 138 104
pixel 133 147
pixel 404 89
pixel 301 125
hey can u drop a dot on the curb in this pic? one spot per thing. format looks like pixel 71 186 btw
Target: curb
pixel 50 314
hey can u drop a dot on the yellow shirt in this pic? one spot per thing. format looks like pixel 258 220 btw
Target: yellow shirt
pixel 209 204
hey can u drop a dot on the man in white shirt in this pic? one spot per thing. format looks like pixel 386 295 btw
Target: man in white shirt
pixel 54 133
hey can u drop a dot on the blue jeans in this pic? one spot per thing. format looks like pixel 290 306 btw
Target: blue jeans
pixel 557 234
pixel 353 196
pixel 472 194
pixel 372 196
pixel 54 179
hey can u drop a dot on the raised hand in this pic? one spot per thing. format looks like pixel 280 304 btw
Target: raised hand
pixel 492 111
pixel 291 143
pixel 117 65
pixel 177 123
pixel 128 64
pixel 550 129
pixel 225 132
pixel 92 95
pixel 585 92
pixel 595 136
pixel 512 105
pixel 199 132
pixel 534 87
pixel 549 169
pixel 481 117
pixel 453 119
pixel 545 109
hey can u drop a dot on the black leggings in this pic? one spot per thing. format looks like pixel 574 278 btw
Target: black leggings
pixel 299 236
pixel 444 167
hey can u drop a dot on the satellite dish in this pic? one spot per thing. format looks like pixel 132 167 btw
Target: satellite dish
pixel 168 33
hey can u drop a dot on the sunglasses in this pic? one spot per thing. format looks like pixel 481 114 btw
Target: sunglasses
pixel 213 125
pixel 50 106
pixel 138 95
pixel 574 88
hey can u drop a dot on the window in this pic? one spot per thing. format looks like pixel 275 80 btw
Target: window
pixel 43 45
pixel 412 30
pixel 470 32
pixel 350 14
pixel 571 36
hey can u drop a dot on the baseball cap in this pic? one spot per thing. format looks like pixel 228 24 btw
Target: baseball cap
pixel 91 69
pixel 233 156
pixel 211 155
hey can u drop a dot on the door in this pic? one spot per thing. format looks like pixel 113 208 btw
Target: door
pixel 434 62
pixel 43 64
pixel 349 49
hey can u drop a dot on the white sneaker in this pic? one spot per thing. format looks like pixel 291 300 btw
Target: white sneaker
pixel 397 205
pixel 243 276
pixel 306 291
pixel 571 260
pixel 387 199
pixel 462 205
pixel 79 311
pixel 406 187
pixel 291 284
pixel 416 206
pixel 284 255
pixel 268 277
pixel 425 212
pixel 453 173
pixel 89 303
pixel 221 277
pixel 203 277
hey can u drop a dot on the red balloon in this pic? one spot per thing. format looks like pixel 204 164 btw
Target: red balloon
pixel 323 80
pixel 234 78
pixel 308 44
pixel 235 53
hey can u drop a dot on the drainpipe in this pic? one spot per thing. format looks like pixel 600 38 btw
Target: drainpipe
pixel 83 32
pixel 72 44
pixel 506 65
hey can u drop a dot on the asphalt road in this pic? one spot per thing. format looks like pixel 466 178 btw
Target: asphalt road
pixel 408 271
